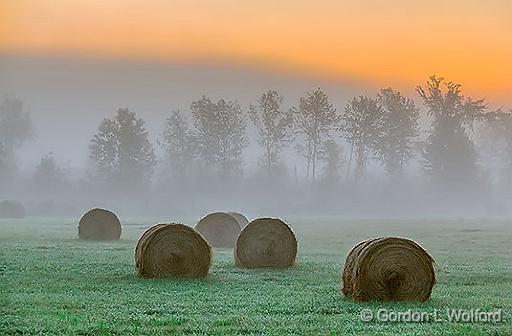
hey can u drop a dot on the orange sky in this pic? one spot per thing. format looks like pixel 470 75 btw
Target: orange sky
pixel 382 42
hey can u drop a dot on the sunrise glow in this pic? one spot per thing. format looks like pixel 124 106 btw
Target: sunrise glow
pixel 397 43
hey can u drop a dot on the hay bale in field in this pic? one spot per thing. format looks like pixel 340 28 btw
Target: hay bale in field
pixel 220 229
pixel 266 242
pixel 99 224
pixel 388 269
pixel 241 219
pixel 143 237
pixel 172 250
pixel 12 210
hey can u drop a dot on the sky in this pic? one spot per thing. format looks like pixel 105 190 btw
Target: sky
pixel 75 62
pixel 396 43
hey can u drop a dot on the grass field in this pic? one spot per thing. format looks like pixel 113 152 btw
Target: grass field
pixel 51 283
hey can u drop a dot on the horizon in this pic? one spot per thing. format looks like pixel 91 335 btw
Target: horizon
pixel 61 91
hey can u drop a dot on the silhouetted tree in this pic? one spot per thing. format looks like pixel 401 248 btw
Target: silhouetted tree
pixel 315 118
pixel 275 127
pixel 15 130
pixel 495 135
pixel 363 128
pixel 507 121
pixel 219 134
pixel 331 153
pixel 450 156
pixel 48 176
pixel 507 125
pixel 122 151
pixel 104 148
pixel 4 162
pixel 177 142
pixel 399 130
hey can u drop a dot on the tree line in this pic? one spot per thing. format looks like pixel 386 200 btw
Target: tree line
pixel 208 141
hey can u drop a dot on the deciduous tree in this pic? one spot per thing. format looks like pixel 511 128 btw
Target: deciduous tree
pixel 122 152
pixel 362 128
pixel 315 119
pixel 48 176
pixel 220 135
pixel 177 141
pixel 400 129
pixel 274 126
pixel 450 156
pixel 331 153
pixel 15 130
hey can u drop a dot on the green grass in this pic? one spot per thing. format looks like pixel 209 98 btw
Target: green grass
pixel 51 283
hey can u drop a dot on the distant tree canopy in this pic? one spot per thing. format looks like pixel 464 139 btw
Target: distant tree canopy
pixel 208 141
pixel 48 175
pixel 4 162
pixel 450 156
pixel 363 128
pixel 315 119
pixel 274 126
pixel 15 123
pixel 177 141
pixel 331 153
pixel 507 134
pixel 497 141
pixel 122 152
pixel 400 129
pixel 219 135
pixel 15 130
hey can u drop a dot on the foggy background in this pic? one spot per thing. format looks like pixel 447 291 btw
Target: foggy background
pixel 457 152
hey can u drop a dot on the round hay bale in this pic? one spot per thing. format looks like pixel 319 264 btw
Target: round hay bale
pixel 99 224
pixel 12 210
pixel 388 269
pixel 172 250
pixel 220 229
pixel 142 238
pixel 241 219
pixel 266 242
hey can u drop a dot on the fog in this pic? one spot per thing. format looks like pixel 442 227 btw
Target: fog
pixel 371 153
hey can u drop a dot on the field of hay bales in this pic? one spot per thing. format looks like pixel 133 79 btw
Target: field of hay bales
pixel 52 283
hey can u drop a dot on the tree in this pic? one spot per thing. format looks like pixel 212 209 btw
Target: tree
pixel 362 128
pixel 219 134
pixel 15 123
pixel 450 156
pixel 274 127
pixel 104 148
pixel 507 125
pixel 48 176
pixel 122 151
pixel 495 135
pixel 315 118
pixel 331 153
pixel 178 145
pixel 400 129
pixel 4 161
pixel 15 130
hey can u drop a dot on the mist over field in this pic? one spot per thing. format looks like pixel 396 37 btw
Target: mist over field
pixel 226 167
pixel 149 137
